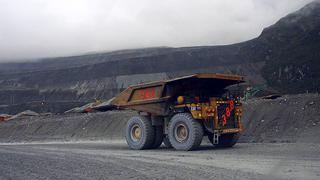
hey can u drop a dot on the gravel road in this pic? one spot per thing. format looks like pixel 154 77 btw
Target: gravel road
pixel 113 160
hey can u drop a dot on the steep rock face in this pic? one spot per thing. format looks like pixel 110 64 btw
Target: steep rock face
pixel 292 51
pixel 285 56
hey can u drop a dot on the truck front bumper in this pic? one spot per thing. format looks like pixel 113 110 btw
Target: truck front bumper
pixel 229 131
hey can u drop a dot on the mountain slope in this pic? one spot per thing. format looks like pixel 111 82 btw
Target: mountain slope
pixel 294 64
pixel 285 57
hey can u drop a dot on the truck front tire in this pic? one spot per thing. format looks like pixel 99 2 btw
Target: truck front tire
pixel 140 133
pixel 185 133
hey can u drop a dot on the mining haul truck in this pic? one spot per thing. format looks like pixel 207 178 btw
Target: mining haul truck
pixel 180 111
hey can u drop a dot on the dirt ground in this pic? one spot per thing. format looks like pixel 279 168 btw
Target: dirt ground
pixel 113 160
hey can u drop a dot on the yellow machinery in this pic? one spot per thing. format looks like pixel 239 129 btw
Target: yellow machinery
pixel 180 111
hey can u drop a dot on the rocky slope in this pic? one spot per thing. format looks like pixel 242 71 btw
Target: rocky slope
pixel 292 63
pixel 293 118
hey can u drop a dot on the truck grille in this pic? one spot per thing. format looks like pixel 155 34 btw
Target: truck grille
pixel 230 121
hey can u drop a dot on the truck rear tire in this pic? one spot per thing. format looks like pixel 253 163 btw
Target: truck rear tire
pixel 158 137
pixel 185 133
pixel 139 133
pixel 225 140
pixel 166 142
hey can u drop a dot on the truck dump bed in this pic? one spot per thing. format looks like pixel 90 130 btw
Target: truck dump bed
pixel 155 97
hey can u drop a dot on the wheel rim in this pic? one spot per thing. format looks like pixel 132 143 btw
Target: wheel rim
pixel 181 132
pixel 135 133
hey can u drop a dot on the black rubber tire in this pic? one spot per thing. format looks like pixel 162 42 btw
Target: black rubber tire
pixel 194 128
pixel 147 133
pixel 166 141
pixel 158 137
pixel 225 140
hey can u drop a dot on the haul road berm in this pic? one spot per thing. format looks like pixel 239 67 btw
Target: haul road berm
pixel 180 111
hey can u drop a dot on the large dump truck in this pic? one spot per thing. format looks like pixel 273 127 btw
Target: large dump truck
pixel 180 111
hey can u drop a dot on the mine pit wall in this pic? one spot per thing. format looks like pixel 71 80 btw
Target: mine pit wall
pixel 38 87
pixel 286 119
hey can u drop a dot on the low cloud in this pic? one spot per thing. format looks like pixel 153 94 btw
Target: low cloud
pixel 46 28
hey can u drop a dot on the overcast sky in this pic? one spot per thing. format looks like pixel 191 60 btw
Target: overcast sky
pixel 46 28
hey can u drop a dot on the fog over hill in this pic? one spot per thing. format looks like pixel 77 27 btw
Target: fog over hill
pixel 285 57
pixel 45 28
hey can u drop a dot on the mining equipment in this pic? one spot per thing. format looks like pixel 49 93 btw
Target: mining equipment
pixel 180 111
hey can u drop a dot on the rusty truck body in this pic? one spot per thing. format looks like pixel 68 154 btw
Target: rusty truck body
pixel 180 111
